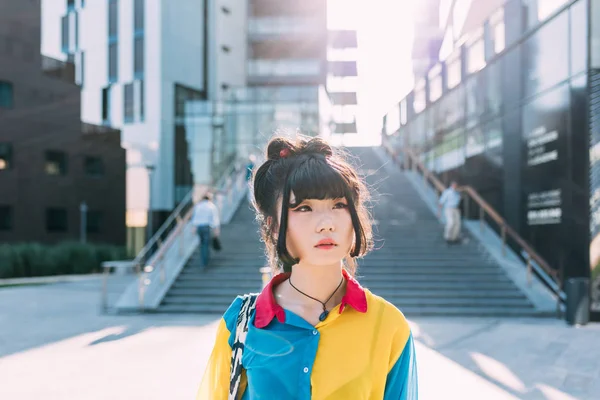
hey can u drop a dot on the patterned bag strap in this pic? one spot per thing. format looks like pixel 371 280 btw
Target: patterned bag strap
pixel 241 330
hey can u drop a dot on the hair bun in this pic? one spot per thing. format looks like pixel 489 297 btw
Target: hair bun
pixel 316 145
pixel 280 147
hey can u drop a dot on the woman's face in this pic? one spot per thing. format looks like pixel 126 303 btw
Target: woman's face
pixel 319 232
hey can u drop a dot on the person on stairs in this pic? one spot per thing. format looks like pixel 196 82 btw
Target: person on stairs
pixel 205 218
pixel 313 332
pixel 450 201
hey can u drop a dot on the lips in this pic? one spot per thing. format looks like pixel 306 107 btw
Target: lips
pixel 326 243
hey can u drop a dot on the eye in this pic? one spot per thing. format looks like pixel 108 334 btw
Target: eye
pixel 302 209
pixel 340 205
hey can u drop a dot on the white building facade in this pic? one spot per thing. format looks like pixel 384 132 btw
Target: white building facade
pixel 138 62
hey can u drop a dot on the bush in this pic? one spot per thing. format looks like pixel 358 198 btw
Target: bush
pixel 34 259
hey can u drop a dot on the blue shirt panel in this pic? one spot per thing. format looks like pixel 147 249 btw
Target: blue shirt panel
pixel 401 382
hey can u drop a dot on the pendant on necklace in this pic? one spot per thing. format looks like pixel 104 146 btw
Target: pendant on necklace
pixel 323 315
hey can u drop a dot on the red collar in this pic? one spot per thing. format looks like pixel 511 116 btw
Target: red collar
pixel 267 308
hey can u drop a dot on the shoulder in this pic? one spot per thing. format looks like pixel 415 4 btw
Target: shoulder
pixel 231 315
pixel 392 319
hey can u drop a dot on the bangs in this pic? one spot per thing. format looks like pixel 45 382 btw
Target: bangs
pixel 319 180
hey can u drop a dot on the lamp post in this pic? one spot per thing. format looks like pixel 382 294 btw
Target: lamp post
pixel 83 209
pixel 150 168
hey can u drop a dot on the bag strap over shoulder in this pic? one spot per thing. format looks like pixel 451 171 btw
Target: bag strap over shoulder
pixel 241 330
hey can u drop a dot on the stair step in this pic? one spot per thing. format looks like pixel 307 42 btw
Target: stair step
pixel 219 292
pixel 410 312
pixel 401 285
pixel 430 273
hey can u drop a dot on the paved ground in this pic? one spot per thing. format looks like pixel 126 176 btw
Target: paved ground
pixel 55 345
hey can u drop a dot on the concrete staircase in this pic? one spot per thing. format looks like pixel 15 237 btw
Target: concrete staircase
pixel 412 267
pixel 232 271
pixel 415 269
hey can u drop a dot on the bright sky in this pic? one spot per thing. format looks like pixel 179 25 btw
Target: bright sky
pixel 385 36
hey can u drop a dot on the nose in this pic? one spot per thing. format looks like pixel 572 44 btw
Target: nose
pixel 326 224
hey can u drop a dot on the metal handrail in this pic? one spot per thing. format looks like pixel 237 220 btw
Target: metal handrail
pixel 228 184
pixel 410 158
pixel 180 216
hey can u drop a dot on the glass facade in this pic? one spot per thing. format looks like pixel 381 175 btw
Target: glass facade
pixel 511 122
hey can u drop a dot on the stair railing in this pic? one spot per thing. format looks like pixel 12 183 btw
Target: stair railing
pixel 175 231
pixel 553 279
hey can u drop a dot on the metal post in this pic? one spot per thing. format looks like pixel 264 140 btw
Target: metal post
pixel 528 270
pixel 481 216
pixel 150 168
pixel 104 288
pixel 83 209
pixel 504 240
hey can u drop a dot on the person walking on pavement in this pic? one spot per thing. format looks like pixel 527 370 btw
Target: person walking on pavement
pixel 449 201
pixel 205 218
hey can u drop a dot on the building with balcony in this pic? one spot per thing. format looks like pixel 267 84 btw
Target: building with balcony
pixel 511 111
pixel 138 62
pixel 50 163
pixel 342 80
pixel 286 64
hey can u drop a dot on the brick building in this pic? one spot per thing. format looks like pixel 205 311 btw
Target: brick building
pixel 51 163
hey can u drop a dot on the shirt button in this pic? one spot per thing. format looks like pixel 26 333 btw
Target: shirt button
pixel 305 370
pixel 315 332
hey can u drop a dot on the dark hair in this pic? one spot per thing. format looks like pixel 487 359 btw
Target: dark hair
pixel 309 168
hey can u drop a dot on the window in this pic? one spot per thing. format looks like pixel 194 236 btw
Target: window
pixel 93 166
pixel 539 52
pixel 56 163
pixel 476 56
pixel 112 62
pixel 81 68
pixel 128 102
pixel 138 16
pixel 537 11
pixel 6 94
pixel 5 156
pixel 106 104
pixel 94 221
pixel 76 30
pixel 420 98
pixel 435 82
pixel 112 18
pixel 578 37
pixel 6 218
pixel 453 72
pixel 65 33
pixel 497 31
pixel 138 57
pixel 291 67
pixel 141 85
pixel 56 219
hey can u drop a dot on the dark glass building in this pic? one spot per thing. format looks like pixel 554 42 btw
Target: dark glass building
pixel 514 112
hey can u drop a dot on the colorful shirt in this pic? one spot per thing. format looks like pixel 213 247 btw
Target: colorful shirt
pixel 362 350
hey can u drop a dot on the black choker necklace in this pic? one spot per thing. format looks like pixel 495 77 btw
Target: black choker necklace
pixel 325 313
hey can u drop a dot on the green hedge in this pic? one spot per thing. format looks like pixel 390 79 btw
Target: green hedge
pixel 33 259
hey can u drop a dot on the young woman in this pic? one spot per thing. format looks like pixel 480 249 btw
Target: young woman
pixel 314 332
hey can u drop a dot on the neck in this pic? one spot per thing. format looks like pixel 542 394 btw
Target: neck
pixel 319 282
